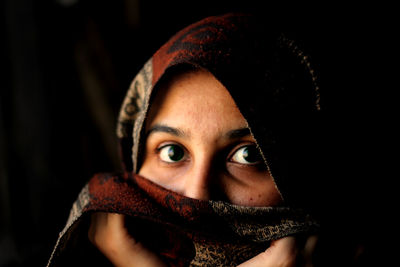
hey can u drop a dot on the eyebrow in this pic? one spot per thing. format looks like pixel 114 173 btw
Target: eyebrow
pixel 166 129
pixel 238 133
pixel 233 134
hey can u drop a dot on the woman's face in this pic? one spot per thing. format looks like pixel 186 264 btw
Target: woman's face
pixel 198 144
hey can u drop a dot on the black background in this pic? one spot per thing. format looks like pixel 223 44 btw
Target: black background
pixel 66 65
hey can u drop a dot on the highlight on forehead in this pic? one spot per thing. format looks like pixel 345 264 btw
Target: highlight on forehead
pixel 181 75
pixel 172 73
pixel 169 78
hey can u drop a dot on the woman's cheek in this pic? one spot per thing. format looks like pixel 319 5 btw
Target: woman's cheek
pixel 248 175
pixel 250 186
pixel 161 173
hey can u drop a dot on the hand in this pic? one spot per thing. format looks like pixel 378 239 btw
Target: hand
pixel 283 253
pixel 108 233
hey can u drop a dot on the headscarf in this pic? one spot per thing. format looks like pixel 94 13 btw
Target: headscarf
pixel 275 88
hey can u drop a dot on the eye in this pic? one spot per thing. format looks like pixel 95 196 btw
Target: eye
pixel 171 153
pixel 248 155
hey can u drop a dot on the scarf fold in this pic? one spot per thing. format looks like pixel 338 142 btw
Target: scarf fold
pixel 275 88
pixel 182 230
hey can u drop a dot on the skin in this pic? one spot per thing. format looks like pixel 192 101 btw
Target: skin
pixel 213 136
pixel 200 147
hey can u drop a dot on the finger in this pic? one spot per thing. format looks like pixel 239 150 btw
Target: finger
pixel 108 233
pixel 309 250
pixel 105 232
pixel 130 252
pixel 97 224
pixel 310 244
pixel 281 253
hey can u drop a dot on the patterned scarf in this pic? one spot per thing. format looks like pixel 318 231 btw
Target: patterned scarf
pixel 275 89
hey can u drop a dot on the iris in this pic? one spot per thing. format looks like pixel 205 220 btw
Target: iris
pixel 172 153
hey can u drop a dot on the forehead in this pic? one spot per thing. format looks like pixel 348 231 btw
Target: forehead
pixel 193 97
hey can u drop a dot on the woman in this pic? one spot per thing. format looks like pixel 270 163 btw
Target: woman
pixel 213 133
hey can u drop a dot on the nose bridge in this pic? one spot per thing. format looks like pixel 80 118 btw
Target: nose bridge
pixel 199 178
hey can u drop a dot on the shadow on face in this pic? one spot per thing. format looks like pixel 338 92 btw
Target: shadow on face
pixel 198 144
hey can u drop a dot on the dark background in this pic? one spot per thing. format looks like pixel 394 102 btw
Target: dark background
pixel 66 65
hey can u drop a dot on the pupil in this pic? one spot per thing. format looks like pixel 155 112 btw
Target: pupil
pixel 250 154
pixel 175 153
